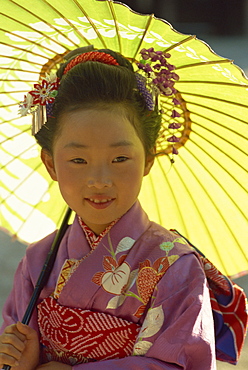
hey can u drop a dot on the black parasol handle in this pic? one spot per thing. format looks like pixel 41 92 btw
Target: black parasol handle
pixel 45 272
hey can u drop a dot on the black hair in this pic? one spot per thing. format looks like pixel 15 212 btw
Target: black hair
pixel 95 85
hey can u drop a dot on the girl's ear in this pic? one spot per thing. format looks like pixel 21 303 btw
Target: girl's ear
pixel 47 159
pixel 149 161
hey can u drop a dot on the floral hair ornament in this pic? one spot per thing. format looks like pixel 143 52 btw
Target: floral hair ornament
pixel 159 80
pixel 39 102
pixel 94 56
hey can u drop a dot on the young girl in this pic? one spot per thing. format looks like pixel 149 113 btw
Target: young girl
pixel 124 292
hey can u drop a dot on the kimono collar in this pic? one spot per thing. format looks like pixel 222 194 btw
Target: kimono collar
pixel 91 237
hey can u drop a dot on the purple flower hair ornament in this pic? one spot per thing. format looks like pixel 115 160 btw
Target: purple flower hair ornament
pixel 160 80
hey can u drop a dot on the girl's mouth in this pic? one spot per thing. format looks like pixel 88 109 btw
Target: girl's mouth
pixel 100 200
pixel 100 203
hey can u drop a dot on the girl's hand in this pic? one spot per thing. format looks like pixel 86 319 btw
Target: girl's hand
pixel 19 347
pixel 53 365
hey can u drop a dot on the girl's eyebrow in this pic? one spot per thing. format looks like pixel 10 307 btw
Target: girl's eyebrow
pixel 74 144
pixel 122 143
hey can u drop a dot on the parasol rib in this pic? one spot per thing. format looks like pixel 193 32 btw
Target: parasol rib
pixel 13 136
pixel 9 105
pixel 212 83
pixel 221 61
pixel 43 20
pixel 204 63
pixel 34 29
pixel 221 112
pixel 148 25
pixel 34 207
pixel 173 194
pixel 111 6
pixel 11 192
pixel 27 40
pixel 229 129
pixel 226 154
pixel 226 170
pixel 215 98
pixel 68 22
pixel 12 80
pixel 155 198
pixel 26 51
pixel 11 92
pixel 187 39
pixel 91 23
pixel 207 231
pixel 205 190
pixel 19 70
pixel 196 208
pixel 17 156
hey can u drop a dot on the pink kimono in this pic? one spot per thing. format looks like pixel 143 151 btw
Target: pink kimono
pixel 140 277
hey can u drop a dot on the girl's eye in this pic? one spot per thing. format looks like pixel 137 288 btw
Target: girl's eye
pixel 120 159
pixel 78 160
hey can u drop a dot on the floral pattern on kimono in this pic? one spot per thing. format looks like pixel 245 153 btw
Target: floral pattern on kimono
pixel 175 318
pixel 118 279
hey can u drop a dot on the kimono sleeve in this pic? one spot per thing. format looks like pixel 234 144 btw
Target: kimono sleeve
pixel 25 279
pixel 18 299
pixel 178 331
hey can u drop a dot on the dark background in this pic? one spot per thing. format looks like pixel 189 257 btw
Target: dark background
pixel 216 17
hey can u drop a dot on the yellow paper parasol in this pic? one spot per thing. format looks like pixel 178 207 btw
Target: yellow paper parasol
pixel 203 194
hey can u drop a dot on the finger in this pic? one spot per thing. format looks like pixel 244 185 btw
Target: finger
pixel 12 329
pixel 12 340
pixel 9 357
pixel 27 331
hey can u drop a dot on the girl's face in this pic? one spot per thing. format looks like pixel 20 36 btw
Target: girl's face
pixel 99 162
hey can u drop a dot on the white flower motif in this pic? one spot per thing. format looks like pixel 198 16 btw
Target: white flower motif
pixel 25 106
pixel 113 282
pixel 153 322
pixel 115 277
pixel 125 244
pixel 51 78
pixel 141 348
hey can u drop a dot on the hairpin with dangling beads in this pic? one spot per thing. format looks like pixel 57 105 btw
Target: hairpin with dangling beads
pixel 39 101
pixel 160 80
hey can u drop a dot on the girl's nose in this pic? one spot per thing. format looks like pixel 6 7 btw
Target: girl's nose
pixel 99 179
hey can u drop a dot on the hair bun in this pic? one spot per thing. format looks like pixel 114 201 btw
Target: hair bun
pixel 85 49
pixel 71 55
pixel 119 58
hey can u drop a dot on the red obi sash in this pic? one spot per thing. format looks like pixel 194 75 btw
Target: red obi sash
pixel 74 336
